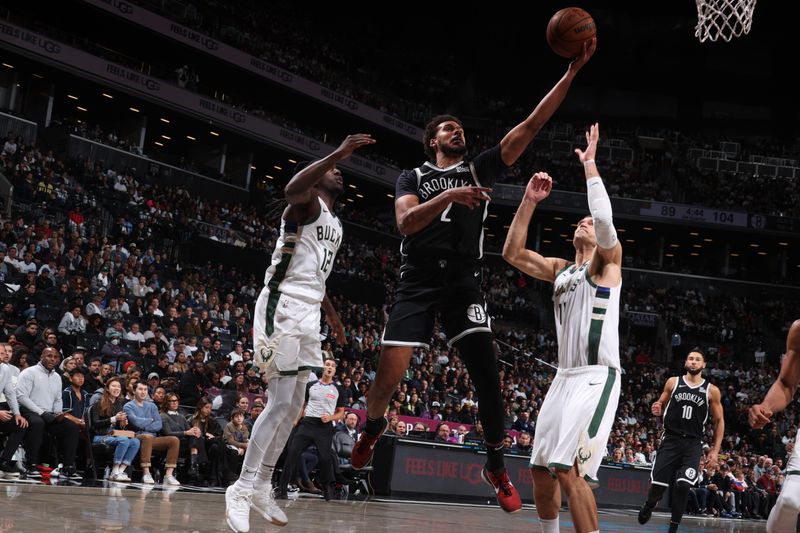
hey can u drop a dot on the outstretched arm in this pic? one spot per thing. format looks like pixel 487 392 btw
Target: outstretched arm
pixel 609 250
pixel 299 189
pixel 781 392
pixel 516 140
pixel 514 250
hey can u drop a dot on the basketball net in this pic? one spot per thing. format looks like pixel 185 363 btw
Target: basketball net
pixel 723 19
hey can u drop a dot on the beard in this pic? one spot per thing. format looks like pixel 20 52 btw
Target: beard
pixel 450 150
pixel 693 371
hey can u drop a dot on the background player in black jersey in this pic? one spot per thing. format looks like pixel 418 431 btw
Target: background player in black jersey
pixel 685 403
pixel 435 207
pixel 783 516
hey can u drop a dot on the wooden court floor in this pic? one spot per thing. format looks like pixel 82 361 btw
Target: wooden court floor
pixel 27 507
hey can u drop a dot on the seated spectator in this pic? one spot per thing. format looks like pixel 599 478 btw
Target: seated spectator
pixel 135 334
pixel 209 448
pixel 524 444
pixel 475 435
pixel 145 420
pixel 159 394
pixel 193 385
pixel 72 323
pixel 237 437
pixel 255 411
pixel 523 422
pixel 12 423
pixel 39 396
pixel 113 351
pixel 443 434
pixel 75 399
pixel 176 425
pixel 110 426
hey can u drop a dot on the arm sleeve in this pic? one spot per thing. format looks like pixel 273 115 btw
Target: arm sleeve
pixel 9 389
pixel 406 184
pixel 308 391
pixel 600 207
pixel 66 401
pixel 24 386
pixel 340 401
pixel 134 420
pixel 155 418
pixel 488 166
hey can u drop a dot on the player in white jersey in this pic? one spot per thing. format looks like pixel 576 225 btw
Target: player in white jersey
pixel 783 516
pixel 286 326
pixel 578 411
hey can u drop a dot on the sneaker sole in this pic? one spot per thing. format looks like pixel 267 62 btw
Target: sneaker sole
pixel 486 479
pixel 268 516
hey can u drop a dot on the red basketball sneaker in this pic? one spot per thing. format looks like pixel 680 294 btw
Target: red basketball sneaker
pixel 507 495
pixel 365 447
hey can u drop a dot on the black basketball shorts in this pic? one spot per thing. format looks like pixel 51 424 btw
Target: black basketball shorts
pixel 678 459
pixel 451 287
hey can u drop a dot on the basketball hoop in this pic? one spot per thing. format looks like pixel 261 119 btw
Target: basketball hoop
pixel 724 19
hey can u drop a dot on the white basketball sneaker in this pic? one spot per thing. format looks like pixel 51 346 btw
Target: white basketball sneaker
pixel 263 501
pixel 237 509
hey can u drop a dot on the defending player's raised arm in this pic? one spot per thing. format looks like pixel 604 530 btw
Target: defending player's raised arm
pixel 781 392
pixel 715 406
pixel 516 140
pixel 514 250
pixel 658 406
pixel 299 189
pixel 609 248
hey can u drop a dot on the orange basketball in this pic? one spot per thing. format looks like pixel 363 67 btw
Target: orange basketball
pixel 568 29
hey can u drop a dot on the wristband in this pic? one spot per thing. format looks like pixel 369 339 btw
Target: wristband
pixel 588 161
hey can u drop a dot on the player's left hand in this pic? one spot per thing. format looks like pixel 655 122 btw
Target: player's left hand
pixel 325 418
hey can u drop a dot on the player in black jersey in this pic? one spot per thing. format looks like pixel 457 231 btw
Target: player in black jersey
pixel 685 404
pixel 440 207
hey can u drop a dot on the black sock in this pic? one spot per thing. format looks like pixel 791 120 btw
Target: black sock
pixel 680 495
pixel 673 527
pixel 374 426
pixel 494 457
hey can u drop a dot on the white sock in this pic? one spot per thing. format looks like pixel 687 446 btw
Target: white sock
pixel 549 526
pixel 116 470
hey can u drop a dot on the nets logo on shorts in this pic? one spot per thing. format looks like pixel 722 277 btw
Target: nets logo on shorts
pixel 690 473
pixel 476 314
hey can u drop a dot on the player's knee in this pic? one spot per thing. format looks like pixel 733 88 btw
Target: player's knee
pixel 568 480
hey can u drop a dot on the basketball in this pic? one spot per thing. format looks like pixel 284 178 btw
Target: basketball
pixel 568 29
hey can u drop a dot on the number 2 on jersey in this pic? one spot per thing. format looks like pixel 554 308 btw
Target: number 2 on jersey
pixel 445 218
